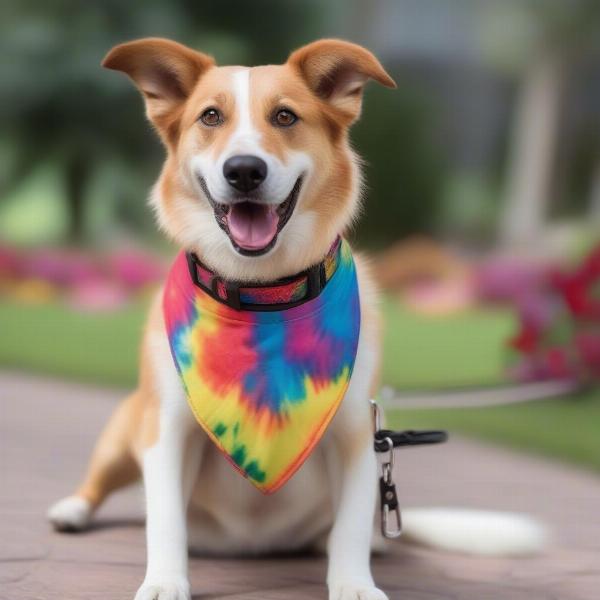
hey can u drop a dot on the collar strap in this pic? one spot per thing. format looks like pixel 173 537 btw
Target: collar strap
pixel 281 294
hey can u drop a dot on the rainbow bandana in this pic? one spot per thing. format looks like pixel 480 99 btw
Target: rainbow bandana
pixel 265 367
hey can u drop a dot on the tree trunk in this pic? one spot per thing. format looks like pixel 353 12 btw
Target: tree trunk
pixel 532 154
pixel 595 196
pixel 77 172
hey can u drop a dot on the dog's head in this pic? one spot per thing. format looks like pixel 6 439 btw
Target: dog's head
pixel 259 176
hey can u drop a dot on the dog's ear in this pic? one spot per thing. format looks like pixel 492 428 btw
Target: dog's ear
pixel 337 71
pixel 164 71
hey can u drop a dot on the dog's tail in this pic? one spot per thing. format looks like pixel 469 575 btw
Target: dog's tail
pixel 479 532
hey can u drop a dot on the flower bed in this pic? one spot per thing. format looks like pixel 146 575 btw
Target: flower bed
pixel 85 280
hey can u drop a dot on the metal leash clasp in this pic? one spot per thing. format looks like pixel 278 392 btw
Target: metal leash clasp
pixel 387 488
pixel 389 498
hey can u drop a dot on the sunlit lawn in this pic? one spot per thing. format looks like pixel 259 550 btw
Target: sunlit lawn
pixel 419 352
pixel 51 338
pixel 469 349
pixel 429 352
pixel 567 428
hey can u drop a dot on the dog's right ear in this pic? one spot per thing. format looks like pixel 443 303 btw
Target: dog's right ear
pixel 164 71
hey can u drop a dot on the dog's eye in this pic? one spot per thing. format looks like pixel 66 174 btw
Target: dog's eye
pixel 211 117
pixel 284 118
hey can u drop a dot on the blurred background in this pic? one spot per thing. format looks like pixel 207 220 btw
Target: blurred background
pixel 482 212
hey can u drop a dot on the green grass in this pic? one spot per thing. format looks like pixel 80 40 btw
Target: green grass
pixel 566 428
pixel 419 352
pixel 51 338
pixel 103 347
pixel 460 350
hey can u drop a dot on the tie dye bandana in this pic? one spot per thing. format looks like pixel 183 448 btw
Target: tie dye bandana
pixel 264 385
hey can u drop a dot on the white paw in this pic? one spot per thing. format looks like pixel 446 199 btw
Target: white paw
pixel 72 513
pixel 355 591
pixel 164 589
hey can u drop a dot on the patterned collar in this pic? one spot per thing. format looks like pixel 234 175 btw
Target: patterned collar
pixel 281 294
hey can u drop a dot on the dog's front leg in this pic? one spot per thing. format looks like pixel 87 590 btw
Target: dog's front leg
pixel 170 467
pixel 349 573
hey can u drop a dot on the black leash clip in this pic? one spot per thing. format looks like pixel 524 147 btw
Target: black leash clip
pixel 385 441
pixel 388 497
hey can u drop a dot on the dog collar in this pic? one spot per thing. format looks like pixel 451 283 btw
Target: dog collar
pixel 265 382
pixel 278 295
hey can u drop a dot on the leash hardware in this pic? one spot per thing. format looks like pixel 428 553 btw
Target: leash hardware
pixel 389 504
pixel 388 495
pixel 376 415
pixel 385 441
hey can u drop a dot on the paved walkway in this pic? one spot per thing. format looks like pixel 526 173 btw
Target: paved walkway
pixel 47 429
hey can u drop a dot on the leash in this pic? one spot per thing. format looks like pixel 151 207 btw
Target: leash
pixel 483 396
pixel 385 441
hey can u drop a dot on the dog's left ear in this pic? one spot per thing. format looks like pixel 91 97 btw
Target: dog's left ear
pixel 337 71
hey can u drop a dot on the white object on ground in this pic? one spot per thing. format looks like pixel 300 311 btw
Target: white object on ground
pixel 478 532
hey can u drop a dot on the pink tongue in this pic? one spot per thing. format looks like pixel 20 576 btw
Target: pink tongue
pixel 252 226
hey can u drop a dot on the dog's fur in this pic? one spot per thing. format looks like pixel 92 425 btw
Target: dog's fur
pixel 153 432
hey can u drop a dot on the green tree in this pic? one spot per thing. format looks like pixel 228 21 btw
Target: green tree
pixel 57 103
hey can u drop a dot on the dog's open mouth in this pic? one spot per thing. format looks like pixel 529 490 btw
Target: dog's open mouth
pixel 252 226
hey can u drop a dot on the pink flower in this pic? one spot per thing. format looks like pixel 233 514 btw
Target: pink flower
pixel 559 343
pixel 527 340
pixel 60 267
pixel 557 363
pixel 536 309
pixel 135 270
pixel 508 279
pixel 10 262
pixel 578 287
pixel 588 346
pixel 97 295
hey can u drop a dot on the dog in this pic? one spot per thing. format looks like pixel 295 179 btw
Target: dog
pixel 259 182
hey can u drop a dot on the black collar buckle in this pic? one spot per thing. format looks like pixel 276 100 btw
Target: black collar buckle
pixel 315 281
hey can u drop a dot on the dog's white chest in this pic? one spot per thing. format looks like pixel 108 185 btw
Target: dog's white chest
pixel 228 515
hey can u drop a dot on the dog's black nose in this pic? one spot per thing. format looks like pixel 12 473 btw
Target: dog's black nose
pixel 245 172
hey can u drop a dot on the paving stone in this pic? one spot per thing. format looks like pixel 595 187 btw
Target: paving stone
pixel 47 429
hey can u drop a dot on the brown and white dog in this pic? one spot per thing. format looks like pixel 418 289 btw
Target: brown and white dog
pixel 260 128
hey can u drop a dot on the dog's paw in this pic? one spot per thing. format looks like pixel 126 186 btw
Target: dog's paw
pixel 164 589
pixel 355 591
pixel 72 513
